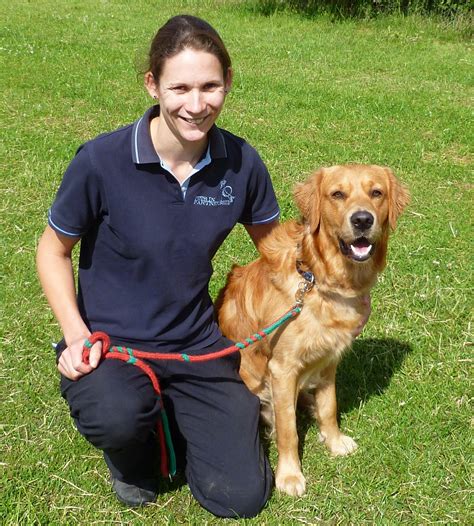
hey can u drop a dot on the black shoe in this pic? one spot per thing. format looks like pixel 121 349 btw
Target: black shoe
pixel 134 495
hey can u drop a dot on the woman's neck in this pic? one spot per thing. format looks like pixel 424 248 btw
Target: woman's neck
pixel 171 150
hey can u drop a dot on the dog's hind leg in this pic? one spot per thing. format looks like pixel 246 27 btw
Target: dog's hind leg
pixel 325 412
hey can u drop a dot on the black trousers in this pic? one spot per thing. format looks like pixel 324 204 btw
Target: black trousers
pixel 213 419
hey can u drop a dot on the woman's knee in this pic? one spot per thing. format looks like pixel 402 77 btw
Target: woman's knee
pixel 117 423
pixel 224 496
pixel 114 406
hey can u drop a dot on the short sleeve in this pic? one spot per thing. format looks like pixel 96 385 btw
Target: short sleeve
pixel 261 205
pixel 78 203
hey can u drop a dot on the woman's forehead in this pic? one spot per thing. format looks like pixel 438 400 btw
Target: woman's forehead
pixel 191 64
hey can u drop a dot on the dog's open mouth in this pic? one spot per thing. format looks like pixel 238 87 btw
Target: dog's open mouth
pixel 359 250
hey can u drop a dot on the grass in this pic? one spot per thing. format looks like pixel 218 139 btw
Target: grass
pixel 308 92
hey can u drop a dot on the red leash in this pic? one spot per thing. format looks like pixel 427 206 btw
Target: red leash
pixel 136 357
pixel 131 356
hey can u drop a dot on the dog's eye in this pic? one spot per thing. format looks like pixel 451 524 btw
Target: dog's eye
pixel 376 193
pixel 338 195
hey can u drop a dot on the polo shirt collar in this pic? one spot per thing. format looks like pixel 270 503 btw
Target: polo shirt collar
pixel 143 151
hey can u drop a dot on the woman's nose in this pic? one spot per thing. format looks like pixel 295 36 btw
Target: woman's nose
pixel 195 102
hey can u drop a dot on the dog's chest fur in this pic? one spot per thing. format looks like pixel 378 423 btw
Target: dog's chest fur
pixel 323 330
pixel 319 336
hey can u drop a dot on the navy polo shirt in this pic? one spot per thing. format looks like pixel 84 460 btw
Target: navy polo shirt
pixel 146 248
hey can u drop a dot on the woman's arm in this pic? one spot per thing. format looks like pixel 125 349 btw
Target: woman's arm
pixel 258 232
pixel 56 275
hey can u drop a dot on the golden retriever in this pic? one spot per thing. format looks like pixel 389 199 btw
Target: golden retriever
pixel 341 240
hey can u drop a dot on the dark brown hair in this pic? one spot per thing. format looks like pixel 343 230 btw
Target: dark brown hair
pixel 185 32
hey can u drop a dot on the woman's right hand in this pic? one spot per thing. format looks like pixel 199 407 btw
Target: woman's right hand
pixel 70 362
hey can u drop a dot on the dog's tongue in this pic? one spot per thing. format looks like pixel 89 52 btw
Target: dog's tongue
pixel 361 248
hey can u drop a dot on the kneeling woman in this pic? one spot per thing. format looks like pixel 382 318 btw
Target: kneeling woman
pixel 150 204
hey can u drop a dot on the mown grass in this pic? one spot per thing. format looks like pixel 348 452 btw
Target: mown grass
pixel 308 92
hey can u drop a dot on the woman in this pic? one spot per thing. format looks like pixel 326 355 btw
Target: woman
pixel 150 204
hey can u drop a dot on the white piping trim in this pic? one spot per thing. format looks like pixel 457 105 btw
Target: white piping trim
pixel 263 220
pixel 136 140
pixel 56 227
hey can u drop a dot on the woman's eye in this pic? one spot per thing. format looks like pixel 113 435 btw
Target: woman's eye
pixel 338 195
pixel 210 87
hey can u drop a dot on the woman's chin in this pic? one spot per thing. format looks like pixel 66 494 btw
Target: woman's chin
pixel 194 135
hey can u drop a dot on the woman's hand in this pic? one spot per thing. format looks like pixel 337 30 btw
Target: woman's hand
pixel 70 362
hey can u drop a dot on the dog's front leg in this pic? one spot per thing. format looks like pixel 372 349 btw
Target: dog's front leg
pixel 326 415
pixel 288 477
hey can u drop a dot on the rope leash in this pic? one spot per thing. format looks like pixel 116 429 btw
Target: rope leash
pixel 136 357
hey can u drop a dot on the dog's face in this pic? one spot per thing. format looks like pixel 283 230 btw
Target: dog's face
pixel 353 205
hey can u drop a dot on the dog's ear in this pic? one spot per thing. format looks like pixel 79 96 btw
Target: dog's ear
pixel 399 197
pixel 308 199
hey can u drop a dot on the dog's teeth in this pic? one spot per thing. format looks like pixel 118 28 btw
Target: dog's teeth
pixel 361 251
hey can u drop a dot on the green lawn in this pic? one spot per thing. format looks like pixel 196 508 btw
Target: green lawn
pixel 308 92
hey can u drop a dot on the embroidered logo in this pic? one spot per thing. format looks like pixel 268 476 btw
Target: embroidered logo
pixel 224 199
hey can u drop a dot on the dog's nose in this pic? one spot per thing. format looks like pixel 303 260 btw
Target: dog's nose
pixel 362 220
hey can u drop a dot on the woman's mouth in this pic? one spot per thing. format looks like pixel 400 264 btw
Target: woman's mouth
pixel 196 121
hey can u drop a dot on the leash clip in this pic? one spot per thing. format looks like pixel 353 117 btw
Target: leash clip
pixel 304 286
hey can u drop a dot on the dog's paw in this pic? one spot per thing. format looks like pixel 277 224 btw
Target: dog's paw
pixel 340 445
pixel 293 484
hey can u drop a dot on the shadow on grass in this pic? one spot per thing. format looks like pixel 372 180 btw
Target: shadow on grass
pixel 170 486
pixel 365 371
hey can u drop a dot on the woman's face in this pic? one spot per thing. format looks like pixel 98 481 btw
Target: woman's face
pixel 191 92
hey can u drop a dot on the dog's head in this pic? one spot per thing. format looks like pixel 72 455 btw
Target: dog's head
pixel 353 207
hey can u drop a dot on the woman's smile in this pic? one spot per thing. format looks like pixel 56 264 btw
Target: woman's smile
pixel 194 120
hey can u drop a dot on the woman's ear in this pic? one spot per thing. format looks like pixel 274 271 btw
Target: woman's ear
pixel 150 84
pixel 228 80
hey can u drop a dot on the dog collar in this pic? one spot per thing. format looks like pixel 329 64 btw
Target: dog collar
pixel 307 275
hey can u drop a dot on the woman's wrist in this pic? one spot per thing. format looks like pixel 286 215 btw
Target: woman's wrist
pixel 76 333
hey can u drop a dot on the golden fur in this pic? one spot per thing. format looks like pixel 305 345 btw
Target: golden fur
pixel 345 250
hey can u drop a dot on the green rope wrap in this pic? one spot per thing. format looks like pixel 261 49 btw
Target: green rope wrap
pixel 169 443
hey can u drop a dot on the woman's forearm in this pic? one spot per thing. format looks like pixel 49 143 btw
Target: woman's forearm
pixel 56 275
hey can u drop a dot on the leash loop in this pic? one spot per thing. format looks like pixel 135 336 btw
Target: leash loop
pixel 89 342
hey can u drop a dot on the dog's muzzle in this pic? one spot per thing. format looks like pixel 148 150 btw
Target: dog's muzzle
pixel 360 248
